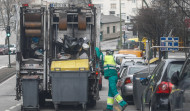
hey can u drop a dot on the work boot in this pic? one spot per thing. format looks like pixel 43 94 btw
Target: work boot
pixel 107 110
pixel 123 108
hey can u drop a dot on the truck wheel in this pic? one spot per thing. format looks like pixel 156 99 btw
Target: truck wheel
pixel 83 107
pixel 56 107
pixel 91 102
pixel 41 99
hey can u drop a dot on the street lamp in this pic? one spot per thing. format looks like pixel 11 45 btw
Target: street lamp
pixel 120 42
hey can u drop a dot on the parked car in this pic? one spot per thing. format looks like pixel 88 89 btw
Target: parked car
pixel 138 87
pixel 127 81
pixel 119 57
pixel 159 86
pixel 179 99
pixel 12 49
pixel 3 49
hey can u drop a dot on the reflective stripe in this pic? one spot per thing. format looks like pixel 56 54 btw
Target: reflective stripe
pixel 109 65
pixel 106 68
pixel 112 68
pixel 118 98
pixel 110 101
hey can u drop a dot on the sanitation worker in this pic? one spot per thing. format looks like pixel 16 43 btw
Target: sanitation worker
pixel 110 73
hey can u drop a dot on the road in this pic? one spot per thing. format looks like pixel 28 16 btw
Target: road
pixel 8 102
pixel 5 60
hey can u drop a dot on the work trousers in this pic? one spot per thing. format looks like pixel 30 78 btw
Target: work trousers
pixel 113 93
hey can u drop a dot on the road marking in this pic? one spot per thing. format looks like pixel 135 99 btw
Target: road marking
pixel 2 67
pixel 117 108
pixel 19 104
pixel 12 107
pixel 7 80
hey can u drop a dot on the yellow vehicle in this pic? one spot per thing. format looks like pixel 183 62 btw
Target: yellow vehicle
pixel 138 53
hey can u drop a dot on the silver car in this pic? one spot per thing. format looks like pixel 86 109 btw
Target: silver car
pixel 127 81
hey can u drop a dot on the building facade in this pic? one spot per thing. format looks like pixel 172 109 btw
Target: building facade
pixel 110 27
pixel 129 9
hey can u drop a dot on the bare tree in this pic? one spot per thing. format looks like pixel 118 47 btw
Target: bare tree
pixel 161 18
pixel 7 11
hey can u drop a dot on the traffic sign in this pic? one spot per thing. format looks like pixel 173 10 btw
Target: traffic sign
pixel 169 41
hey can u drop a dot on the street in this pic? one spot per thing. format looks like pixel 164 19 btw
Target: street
pixel 8 102
pixel 4 60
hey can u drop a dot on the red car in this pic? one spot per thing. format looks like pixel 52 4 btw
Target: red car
pixel 3 49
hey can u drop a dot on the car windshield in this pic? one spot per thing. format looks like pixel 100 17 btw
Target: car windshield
pixel 11 45
pixel 174 67
pixel 133 70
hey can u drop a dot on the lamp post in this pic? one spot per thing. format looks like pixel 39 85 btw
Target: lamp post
pixel 120 42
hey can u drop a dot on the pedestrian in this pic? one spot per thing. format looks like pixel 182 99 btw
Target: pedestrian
pixel 110 73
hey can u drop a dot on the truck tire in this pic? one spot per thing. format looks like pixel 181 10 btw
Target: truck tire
pixel 91 102
pixel 42 99
pixel 84 107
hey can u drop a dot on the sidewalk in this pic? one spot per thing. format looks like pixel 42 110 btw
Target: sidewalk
pixel 6 72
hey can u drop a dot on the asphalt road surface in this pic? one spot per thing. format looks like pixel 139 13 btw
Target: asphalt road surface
pixel 4 60
pixel 8 102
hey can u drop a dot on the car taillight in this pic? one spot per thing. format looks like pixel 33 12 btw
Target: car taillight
pixel 164 87
pixel 118 74
pixel 127 81
pixel 91 5
pixel 25 5
pixel 97 73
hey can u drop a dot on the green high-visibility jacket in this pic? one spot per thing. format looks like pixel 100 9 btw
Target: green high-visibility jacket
pixel 109 66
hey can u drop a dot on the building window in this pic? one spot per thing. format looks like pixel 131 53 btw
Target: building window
pixel 113 29
pixel 113 6
pixel 134 10
pixel 108 30
pixel 127 17
pixel 112 12
pixel 123 16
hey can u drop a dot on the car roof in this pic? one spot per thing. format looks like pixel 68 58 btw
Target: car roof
pixel 173 60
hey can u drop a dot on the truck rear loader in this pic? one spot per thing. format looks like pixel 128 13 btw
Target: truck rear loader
pixel 56 57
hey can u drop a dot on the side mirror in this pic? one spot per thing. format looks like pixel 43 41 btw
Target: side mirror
pixel 144 81
pixel 175 78
pixel 118 62
pixel 117 68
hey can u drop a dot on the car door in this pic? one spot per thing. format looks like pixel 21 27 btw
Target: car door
pixel 180 96
pixel 148 93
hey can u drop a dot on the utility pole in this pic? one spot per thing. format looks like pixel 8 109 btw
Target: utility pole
pixel 120 42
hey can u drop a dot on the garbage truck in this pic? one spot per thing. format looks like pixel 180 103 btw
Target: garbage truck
pixel 56 57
